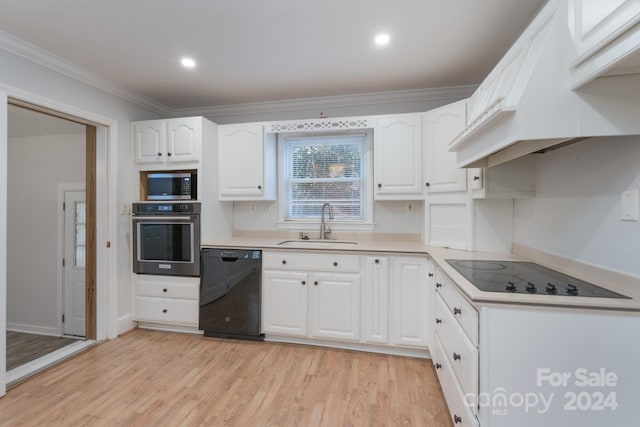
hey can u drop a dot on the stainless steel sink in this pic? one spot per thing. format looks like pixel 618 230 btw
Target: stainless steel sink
pixel 317 243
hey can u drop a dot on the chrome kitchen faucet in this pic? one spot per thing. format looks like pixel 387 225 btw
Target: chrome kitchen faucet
pixel 324 229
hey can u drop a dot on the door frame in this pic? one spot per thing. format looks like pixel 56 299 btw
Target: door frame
pixel 106 136
pixel 62 189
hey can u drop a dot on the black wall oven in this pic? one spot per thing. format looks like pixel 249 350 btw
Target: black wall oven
pixel 166 238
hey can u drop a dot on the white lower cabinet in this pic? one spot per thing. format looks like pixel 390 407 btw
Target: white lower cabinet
pixel 299 299
pixel 376 300
pixel 284 302
pixel 455 352
pixel 334 306
pixel 166 300
pixel 409 301
pixel 368 298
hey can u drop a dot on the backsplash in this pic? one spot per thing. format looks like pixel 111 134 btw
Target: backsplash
pixel 393 217
pixel 576 212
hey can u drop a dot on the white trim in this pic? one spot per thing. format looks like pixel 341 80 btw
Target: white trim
pixel 62 188
pixel 107 171
pixel 450 93
pixel 367 224
pixel 28 369
pixel 126 323
pixel 33 329
pixel 33 53
pixel 3 241
pixel 358 346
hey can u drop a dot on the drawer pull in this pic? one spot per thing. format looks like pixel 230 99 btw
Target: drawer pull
pixel 164 310
pixel 377 261
pixel 438 285
pixel 456 356
pixel 438 366
pixel 304 282
pixel 284 261
pixel 438 321
pixel 430 274
pixel 164 290
pixel 457 419
pixel 456 311
pixel 315 283
pixel 335 264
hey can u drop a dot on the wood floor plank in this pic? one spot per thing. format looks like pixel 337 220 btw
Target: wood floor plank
pixel 157 378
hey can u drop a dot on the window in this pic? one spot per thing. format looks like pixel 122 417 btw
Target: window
pixel 327 168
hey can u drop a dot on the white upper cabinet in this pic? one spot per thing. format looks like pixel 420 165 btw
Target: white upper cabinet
pixel 184 139
pixel 163 143
pixel 606 37
pixel 246 159
pixel 397 156
pixel 440 127
pixel 514 179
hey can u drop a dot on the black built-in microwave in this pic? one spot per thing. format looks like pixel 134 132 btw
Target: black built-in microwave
pixel 172 186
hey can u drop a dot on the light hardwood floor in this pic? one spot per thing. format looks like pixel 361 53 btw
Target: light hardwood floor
pixel 169 379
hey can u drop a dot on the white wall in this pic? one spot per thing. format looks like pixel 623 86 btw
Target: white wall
pixel 577 208
pixel 36 165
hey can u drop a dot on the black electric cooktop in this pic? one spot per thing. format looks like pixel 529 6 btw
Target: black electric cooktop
pixel 526 278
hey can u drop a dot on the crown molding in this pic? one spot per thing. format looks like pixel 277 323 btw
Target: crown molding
pixel 451 93
pixel 33 53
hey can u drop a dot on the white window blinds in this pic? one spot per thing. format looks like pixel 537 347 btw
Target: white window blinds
pixel 323 169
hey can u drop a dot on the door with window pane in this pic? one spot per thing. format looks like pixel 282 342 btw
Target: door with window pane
pixel 75 227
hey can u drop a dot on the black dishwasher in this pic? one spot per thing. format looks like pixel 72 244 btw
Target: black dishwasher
pixel 230 293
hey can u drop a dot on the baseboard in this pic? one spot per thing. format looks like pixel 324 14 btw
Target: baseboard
pixel 371 348
pixel 126 323
pixel 33 329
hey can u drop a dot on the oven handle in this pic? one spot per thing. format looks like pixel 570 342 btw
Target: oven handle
pixel 162 218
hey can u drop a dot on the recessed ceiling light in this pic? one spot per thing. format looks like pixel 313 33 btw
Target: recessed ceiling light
pixel 382 39
pixel 188 62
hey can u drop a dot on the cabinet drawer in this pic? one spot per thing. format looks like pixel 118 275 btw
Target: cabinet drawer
pixel 164 310
pixel 337 262
pixel 461 309
pixel 178 288
pixel 461 413
pixel 462 355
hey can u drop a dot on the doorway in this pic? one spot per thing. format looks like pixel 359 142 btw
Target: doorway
pixel 51 267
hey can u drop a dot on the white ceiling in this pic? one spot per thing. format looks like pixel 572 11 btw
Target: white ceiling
pixel 265 50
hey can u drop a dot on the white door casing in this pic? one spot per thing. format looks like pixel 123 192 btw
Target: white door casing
pixel 74 263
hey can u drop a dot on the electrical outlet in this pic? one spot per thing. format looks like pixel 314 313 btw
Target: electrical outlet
pixel 252 207
pixel 629 201
pixel 125 209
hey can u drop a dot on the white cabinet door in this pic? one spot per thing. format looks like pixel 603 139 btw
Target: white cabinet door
pixel 241 161
pixel 376 300
pixel 159 143
pixel 596 23
pixel 398 157
pixel 441 126
pixel 410 302
pixel 284 302
pixel 184 138
pixel 334 306
pixel 149 141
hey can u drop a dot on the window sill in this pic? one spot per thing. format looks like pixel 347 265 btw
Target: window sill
pixel 335 226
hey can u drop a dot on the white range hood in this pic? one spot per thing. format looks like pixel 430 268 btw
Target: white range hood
pixel 527 103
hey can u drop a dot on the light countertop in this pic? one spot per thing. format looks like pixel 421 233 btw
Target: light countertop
pixel 623 284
